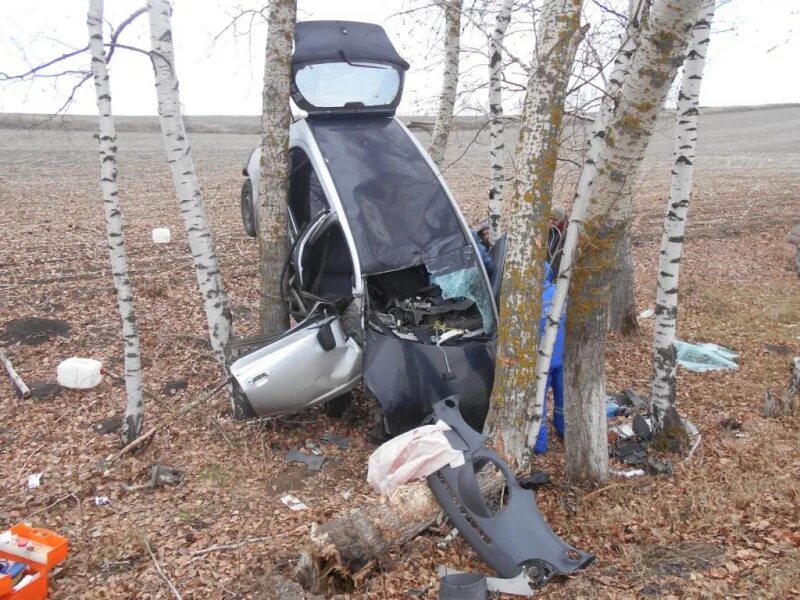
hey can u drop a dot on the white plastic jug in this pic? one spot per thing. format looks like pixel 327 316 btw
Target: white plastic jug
pixel 79 373
pixel 161 235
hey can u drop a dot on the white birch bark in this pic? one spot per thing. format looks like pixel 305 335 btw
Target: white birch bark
pixel 595 139
pixel 661 48
pixel 558 35
pixel 184 177
pixel 273 191
pixel 134 410
pixel 496 130
pixel 665 360
pixel 447 98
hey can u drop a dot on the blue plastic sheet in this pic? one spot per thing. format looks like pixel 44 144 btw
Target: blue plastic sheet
pixel 705 357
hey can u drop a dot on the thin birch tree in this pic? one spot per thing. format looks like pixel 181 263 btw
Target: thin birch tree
pixel 184 177
pixel 558 36
pixel 660 51
pixel 496 128
pixel 134 410
pixel 447 98
pixel 273 189
pixel 595 142
pixel 665 358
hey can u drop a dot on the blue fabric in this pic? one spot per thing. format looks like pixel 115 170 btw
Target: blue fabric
pixel 487 260
pixel 555 378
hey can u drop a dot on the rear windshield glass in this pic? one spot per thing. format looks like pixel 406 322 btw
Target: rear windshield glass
pixel 341 84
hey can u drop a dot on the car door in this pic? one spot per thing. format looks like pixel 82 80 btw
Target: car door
pixel 311 363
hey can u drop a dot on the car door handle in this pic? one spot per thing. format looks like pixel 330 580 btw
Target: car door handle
pixel 259 379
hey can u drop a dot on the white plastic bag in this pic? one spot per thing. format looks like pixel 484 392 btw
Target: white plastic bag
pixel 412 455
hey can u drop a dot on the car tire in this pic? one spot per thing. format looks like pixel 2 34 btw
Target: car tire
pixel 248 216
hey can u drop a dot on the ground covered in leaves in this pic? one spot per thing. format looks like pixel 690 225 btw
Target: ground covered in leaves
pixel 726 523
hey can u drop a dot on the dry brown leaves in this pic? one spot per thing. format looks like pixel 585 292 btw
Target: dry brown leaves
pixel 725 524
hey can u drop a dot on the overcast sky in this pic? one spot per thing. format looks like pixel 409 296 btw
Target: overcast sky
pixel 753 58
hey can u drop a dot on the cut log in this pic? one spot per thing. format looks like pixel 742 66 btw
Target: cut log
pixel 22 389
pixel 785 405
pixel 341 552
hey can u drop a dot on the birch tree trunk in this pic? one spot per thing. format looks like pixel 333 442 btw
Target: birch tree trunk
pixel 512 402
pixel 583 190
pixel 661 47
pixel 496 130
pixel 622 300
pixel 273 189
pixel 190 195
pixel 134 410
pixel 665 360
pixel 447 99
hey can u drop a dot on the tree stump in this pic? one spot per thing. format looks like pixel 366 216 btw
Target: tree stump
pixel 785 405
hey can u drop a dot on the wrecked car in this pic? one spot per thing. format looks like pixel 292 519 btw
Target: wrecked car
pixel 384 279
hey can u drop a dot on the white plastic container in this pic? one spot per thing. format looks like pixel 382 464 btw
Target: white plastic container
pixel 79 373
pixel 161 235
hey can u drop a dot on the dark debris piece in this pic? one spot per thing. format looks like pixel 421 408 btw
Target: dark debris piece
pixel 630 452
pixel 340 441
pixel 312 463
pixel 630 399
pixel 535 480
pixel 106 426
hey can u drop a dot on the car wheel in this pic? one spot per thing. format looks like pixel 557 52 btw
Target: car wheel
pixel 248 218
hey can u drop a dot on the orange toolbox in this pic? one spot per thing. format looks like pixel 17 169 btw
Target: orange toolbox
pixel 39 550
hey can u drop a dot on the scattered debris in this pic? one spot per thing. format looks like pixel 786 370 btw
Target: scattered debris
pixel 705 357
pixel 516 586
pixel 314 448
pixel 161 475
pixel 448 538
pixel 312 463
pixel 102 500
pixel 631 473
pixel 646 314
pixel 22 389
pixel 33 331
pixel 412 455
pixel 34 480
pixel 661 467
pixel 517 534
pixel 174 386
pixel 630 399
pixel 340 441
pixel 106 426
pixel 535 480
pixel 463 586
pixel 293 502
pixel 161 235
